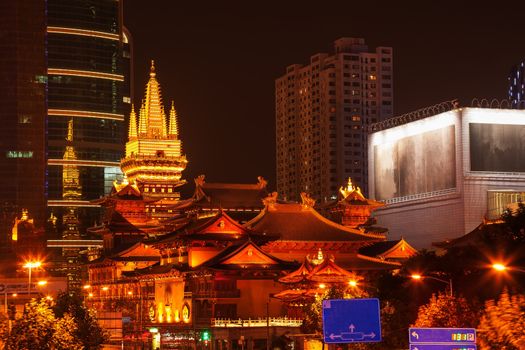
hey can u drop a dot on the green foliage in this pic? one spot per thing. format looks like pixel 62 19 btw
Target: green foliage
pixel 4 326
pixel 447 311
pixel 502 324
pixel 64 334
pixel 313 312
pixel 88 331
pixel 34 329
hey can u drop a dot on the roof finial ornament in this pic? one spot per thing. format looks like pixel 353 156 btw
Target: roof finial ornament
pixel 152 69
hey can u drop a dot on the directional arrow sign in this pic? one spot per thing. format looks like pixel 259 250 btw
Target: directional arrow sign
pixel 441 347
pixel 442 336
pixel 351 321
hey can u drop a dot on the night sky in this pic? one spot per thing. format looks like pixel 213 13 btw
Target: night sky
pixel 219 60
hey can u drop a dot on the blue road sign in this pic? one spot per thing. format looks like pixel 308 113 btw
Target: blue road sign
pixel 442 347
pixel 442 335
pixel 351 321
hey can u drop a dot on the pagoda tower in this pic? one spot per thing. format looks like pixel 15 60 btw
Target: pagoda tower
pixel 71 191
pixel 154 159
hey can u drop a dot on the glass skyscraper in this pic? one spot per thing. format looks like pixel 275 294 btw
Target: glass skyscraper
pixel 62 61
pixel 87 83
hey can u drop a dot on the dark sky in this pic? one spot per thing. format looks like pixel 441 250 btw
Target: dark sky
pixel 219 59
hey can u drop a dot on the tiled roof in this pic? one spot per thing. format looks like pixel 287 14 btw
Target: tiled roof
pixel 297 222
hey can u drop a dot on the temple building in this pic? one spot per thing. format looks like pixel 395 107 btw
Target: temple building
pixel 154 159
pixel 240 200
pixel 212 275
pixel 351 208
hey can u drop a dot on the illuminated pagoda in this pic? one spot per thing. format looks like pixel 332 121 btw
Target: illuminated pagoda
pixel 351 208
pixel 354 210
pixel 71 192
pixel 154 159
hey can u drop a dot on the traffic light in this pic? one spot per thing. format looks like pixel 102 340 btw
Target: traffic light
pixel 205 335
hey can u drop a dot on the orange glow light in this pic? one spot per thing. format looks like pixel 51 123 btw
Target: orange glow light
pixel 416 277
pixel 499 267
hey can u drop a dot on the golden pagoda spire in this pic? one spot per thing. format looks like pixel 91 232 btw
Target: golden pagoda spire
pixel 154 112
pixel 70 130
pixel 174 131
pixel 70 151
pixel 143 123
pixel 71 189
pixel 132 124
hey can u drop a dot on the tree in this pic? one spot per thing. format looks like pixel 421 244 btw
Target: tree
pixel 447 311
pixel 64 334
pixel 34 329
pixel 313 312
pixel 502 324
pixel 88 331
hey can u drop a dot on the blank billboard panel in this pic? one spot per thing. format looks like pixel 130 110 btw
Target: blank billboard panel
pixel 497 147
pixel 416 164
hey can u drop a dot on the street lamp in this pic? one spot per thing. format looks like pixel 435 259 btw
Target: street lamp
pixel 418 277
pixel 502 267
pixel 31 265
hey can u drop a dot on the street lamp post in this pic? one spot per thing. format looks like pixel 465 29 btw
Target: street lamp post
pixel 31 265
pixel 502 267
pixel 448 282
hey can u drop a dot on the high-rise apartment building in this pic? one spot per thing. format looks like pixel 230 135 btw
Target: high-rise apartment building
pixel 322 113
pixel 517 86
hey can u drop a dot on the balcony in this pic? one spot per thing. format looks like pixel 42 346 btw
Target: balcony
pixel 256 322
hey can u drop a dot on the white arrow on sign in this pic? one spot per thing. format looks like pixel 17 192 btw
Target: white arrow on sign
pixel 415 335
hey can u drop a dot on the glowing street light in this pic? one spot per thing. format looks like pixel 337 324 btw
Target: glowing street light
pixel 502 267
pixel 418 277
pixel 31 265
pixel 42 283
pixel 352 283
pixel 86 286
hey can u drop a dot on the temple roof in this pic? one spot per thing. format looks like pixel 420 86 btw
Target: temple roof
pixel 220 226
pixel 398 249
pixel 300 222
pixel 124 190
pixel 474 237
pixel 246 256
pixel 157 270
pixel 229 195
pixel 134 251
pixel 329 272
pixel 298 275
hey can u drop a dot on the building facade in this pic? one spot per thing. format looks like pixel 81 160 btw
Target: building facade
pixel 61 61
pixel 88 82
pixel 442 174
pixel 322 112
pixel 23 113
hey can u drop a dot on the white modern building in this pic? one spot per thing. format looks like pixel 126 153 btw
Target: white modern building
pixel 442 174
